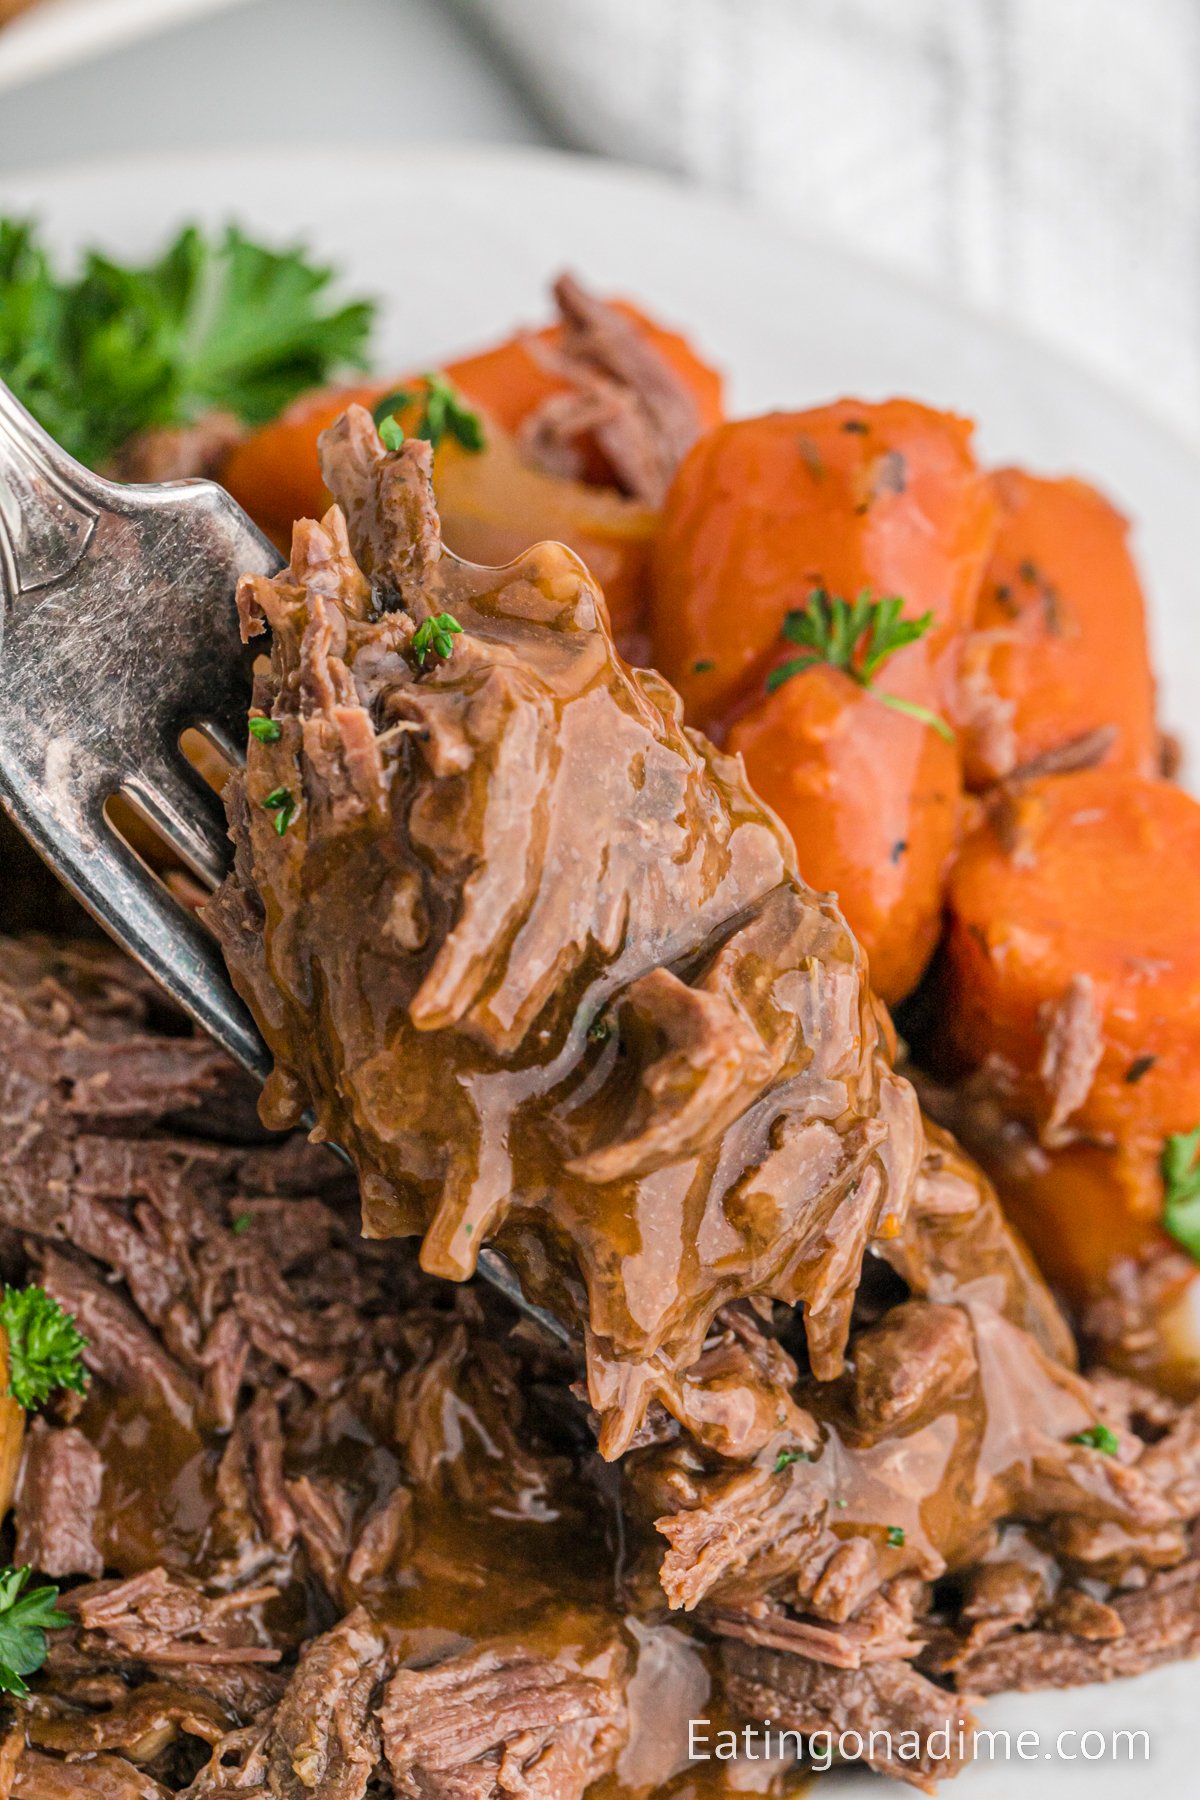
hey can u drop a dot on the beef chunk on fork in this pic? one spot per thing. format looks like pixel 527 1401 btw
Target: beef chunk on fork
pixel 514 857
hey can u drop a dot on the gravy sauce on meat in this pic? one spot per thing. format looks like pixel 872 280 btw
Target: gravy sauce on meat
pixel 538 959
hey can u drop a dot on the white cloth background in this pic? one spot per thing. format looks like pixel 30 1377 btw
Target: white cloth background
pixel 1039 158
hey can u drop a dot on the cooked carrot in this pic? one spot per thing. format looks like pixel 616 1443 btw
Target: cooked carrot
pixel 493 506
pixel 871 798
pixel 1084 1210
pixel 844 498
pixel 1074 955
pixel 1060 656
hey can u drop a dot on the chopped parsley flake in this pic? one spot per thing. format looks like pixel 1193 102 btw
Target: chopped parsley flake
pixel 267 731
pixel 391 432
pixel 444 413
pixel 1181 1190
pixel 280 802
pixel 786 1458
pixel 436 635
pixel 1098 1437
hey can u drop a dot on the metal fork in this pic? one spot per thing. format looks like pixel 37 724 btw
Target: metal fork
pixel 118 632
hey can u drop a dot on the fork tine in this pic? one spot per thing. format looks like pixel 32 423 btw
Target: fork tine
pixel 171 798
pixel 169 943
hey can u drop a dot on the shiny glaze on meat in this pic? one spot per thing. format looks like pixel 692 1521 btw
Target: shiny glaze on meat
pixel 537 957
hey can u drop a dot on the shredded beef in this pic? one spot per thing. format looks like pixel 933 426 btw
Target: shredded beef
pixel 890 1697
pixel 145 1721
pixel 178 453
pixel 1158 1624
pixel 1082 752
pixel 623 397
pixel 880 1629
pixel 1073 1048
pixel 911 1365
pixel 325 1737
pixel 343 1528
pixel 163 1618
pixel 504 1719
pixel 120 1348
pixel 38 1777
pixel 57 1501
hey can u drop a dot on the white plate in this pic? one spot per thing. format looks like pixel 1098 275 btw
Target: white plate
pixel 56 33
pixel 460 245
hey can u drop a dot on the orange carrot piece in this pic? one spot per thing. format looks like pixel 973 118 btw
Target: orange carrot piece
pixel 1060 651
pixel 1074 956
pixel 849 496
pixel 871 798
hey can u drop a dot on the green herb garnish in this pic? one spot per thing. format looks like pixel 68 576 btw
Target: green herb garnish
pixel 45 1346
pixel 280 802
pixel 25 1618
pixel 1181 1182
pixel 786 1458
pixel 857 637
pixel 215 324
pixel 241 1225
pixel 1098 1437
pixel 444 413
pixel 704 666
pixel 267 731
pixel 391 433
pixel 436 635
pixel 895 1536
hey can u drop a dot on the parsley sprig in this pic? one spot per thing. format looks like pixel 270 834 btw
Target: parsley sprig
pixel 25 1618
pixel 435 635
pixel 444 413
pixel 856 636
pixel 45 1346
pixel 215 323
pixel 1181 1184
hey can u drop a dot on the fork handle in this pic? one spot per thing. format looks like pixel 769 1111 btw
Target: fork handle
pixel 48 504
